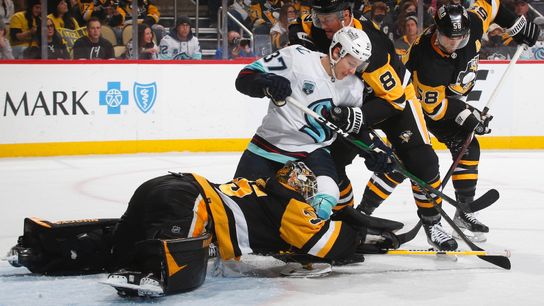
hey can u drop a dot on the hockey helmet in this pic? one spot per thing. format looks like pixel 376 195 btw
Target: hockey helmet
pixel 329 9
pixel 351 41
pixel 299 177
pixel 453 23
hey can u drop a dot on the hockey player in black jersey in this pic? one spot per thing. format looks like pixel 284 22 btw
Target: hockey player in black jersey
pixel 391 107
pixel 443 62
pixel 160 244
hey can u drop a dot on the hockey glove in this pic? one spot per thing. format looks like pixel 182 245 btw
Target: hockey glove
pixel 474 121
pixel 349 119
pixel 378 161
pixel 524 32
pixel 277 88
pixel 378 242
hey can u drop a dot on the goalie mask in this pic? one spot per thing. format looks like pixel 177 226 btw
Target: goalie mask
pixel 299 177
pixel 453 27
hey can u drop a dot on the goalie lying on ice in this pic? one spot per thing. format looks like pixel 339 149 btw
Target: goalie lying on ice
pixel 161 241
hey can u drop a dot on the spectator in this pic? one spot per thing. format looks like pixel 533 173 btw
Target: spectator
pixel 148 13
pixel 536 52
pixel 107 11
pixel 239 9
pixel 402 44
pixel 264 14
pixel 76 11
pixel 377 15
pixel 495 46
pixel 93 46
pixel 408 7
pixel 238 47
pixel 61 15
pixel 522 8
pixel 279 33
pixel 6 10
pixel 56 49
pixel 5 47
pixel 147 49
pixel 179 43
pixel 302 7
pixel 23 28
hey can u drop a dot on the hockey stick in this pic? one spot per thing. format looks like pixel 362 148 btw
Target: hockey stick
pixel 482 202
pixel 500 261
pixel 505 253
pixel 491 100
pixel 497 260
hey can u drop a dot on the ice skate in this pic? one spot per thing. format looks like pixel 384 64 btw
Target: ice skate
pixel 471 227
pixel 438 238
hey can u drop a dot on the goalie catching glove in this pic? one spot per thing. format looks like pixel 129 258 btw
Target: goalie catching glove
pixel 472 120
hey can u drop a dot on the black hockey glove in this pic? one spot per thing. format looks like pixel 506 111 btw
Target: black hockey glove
pixel 472 120
pixel 524 32
pixel 349 119
pixel 378 242
pixel 277 88
pixel 378 161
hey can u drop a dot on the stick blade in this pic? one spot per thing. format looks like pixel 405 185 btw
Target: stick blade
pixel 486 200
pixel 497 260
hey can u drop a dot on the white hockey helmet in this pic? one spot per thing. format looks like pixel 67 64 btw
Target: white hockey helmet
pixel 352 41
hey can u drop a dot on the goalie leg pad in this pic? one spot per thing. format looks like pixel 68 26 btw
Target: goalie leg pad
pixel 171 266
pixel 64 247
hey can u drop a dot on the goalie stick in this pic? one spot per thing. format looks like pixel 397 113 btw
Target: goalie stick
pixel 505 253
pixel 490 197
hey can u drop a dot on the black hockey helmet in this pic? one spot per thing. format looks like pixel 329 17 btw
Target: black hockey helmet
pixel 452 20
pixel 329 6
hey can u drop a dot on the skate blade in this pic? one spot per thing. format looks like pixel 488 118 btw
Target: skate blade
pixel 148 289
pixel 472 236
pixel 296 270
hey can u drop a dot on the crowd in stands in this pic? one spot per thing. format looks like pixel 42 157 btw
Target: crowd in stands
pixel 101 29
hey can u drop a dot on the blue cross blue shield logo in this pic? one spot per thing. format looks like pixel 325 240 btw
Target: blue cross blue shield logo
pixel 145 95
pixel 113 97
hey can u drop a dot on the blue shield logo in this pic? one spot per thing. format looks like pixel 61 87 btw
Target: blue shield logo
pixel 145 95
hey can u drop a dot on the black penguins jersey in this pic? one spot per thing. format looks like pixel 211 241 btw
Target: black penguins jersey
pixel 437 75
pixel 267 217
pixel 385 73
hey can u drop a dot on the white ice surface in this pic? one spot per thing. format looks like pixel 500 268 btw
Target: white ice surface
pixel 61 188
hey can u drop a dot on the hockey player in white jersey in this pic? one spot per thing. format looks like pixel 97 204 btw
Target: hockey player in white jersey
pixel 320 82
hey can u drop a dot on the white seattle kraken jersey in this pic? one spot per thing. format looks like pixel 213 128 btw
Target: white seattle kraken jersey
pixel 287 127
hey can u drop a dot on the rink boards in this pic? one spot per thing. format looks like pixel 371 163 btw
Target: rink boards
pixel 52 108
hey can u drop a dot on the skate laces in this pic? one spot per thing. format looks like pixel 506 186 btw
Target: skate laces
pixel 212 250
pixel 438 233
pixel 470 217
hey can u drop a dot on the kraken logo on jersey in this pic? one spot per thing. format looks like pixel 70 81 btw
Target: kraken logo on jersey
pixel 465 79
pixel 308 87
pixel 314 129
